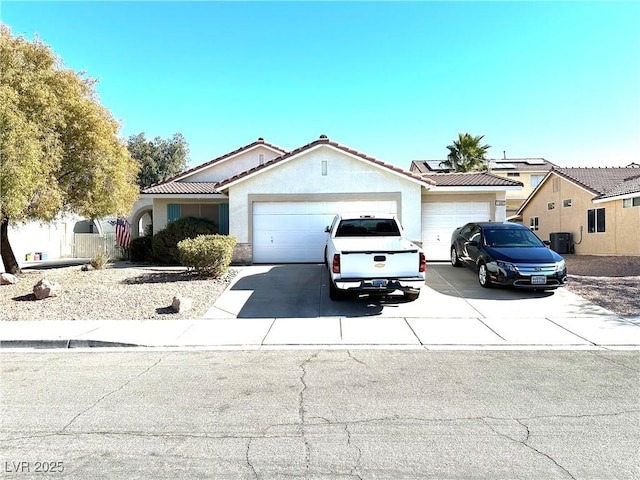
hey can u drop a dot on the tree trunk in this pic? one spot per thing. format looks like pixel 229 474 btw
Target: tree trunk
pixel 8 258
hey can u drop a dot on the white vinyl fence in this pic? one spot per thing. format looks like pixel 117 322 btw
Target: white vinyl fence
pixel 88 245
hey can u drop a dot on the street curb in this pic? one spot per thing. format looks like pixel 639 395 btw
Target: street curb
pixel 64 344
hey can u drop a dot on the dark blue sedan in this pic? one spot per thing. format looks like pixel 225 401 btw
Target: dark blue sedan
pixel 507 254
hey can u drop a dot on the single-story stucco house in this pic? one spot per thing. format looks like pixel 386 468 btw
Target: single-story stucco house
pixel 277 203
pixel 598 208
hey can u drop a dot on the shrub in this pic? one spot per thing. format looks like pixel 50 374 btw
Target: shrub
pixel 99 261
pixel 165 242
pixel 208 255
pixel 140 249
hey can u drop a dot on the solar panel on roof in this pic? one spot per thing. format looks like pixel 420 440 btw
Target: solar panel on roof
pixel 535 161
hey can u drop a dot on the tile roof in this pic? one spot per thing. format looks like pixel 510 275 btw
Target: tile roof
pixel 502 164
pixel 324 140
pixel 470 179
pixel 183 188
pixel 249 146
pixel 603 182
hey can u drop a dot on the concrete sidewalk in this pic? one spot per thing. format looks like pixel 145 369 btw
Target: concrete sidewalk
pixel 272 307
pixel 330 332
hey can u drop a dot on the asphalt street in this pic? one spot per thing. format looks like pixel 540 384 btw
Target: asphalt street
pixel 320 414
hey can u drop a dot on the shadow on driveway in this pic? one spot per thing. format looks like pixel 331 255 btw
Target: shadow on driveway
pixel 302 291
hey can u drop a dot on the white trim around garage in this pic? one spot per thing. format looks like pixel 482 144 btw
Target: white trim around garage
pixel 290 228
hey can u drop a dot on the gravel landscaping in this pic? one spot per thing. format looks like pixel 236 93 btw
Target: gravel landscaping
pixel 117 292
pixel 133 292
pixel 611 282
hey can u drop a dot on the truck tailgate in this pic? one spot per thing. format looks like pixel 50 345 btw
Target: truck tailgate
pixel 384 257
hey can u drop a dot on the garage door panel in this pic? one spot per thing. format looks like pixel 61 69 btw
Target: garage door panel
pixel 293 232
pixel 440 219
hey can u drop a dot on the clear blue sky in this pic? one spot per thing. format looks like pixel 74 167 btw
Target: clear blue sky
pixel 395 80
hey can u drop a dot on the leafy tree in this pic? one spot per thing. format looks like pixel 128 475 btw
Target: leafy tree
pixel 59 146
pixel 159 159
pixel 466 154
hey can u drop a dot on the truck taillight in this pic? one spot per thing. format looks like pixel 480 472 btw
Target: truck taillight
pixel 335 264
pixel 423 263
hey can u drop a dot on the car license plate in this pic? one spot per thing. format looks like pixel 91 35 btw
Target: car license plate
pixel 538 280
pixel 379 283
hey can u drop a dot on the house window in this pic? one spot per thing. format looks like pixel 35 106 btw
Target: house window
pixel 631 202
pixel 566 203
pixel 551 206
pixel 535 180
pixel 513 174
pixel 595 220
pixel 174 212
pixel 533 223
pixel 210 211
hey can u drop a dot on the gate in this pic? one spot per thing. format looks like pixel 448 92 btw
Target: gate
pixel 88 245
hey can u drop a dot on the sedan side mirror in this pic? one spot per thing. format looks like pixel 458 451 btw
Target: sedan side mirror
pixel 327 229
pixel 547 243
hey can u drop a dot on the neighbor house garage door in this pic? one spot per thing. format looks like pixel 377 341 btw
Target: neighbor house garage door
pixel 440 219
pixel 292 232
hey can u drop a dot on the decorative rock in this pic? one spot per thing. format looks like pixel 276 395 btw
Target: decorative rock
pixel 181 304
pixel 45 288
pixel 8 279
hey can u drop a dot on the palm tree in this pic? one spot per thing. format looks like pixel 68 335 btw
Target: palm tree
pixel 466 154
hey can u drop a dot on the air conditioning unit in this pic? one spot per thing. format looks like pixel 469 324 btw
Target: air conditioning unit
pixel 561 242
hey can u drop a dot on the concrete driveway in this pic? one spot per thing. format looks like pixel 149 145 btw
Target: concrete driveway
pixel 302 291
pixel 288 306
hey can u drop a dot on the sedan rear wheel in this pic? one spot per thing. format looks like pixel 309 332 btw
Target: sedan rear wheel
pixel 483 276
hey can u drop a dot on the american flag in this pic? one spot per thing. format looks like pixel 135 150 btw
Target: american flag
pixel 123 233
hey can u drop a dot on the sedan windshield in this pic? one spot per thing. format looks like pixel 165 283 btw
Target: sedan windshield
pixel 511 238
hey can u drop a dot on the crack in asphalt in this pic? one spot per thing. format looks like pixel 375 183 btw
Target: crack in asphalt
pixel 352 357
pixel 356 467
pixel 525 444
pixel 248 458
pixel 599 355
pixel 302 411
pixel 108 394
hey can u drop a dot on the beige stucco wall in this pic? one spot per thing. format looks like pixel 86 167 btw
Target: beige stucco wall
pixel 515 198
pixel 622 225
pixel 233 165
pixel 302 176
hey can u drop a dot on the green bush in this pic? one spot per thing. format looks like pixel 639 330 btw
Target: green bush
pixel 208 255
pixel 165 242
pixel 140 249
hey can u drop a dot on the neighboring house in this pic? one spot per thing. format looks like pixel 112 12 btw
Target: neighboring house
pixel 599 207
pixel 277 203
pixel 49 240
pixel 69 236
pixel 528 171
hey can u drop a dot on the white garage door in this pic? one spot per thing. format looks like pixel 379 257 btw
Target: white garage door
pixel 440 219
pixel 293 232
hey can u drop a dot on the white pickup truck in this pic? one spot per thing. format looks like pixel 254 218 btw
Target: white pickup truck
pixel 368 254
